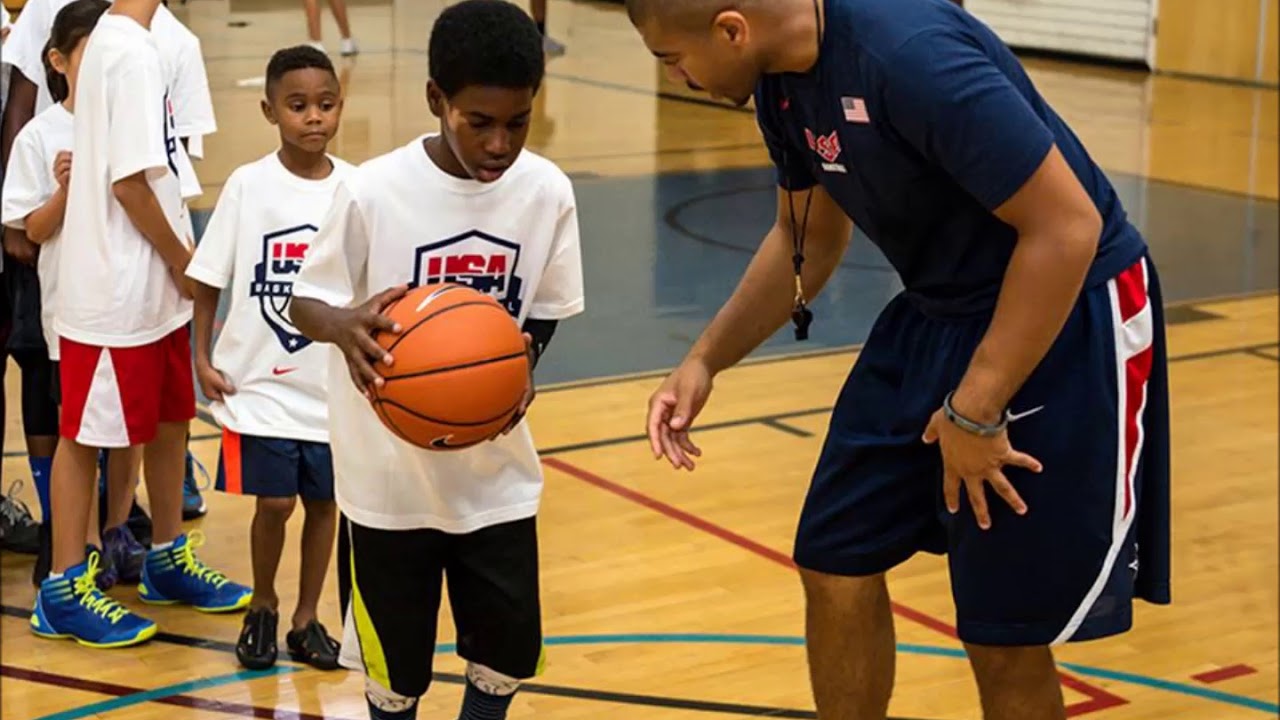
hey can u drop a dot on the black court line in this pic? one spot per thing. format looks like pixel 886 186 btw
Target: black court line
pixel 772 420
pixel 625 439
pixel 767 419
pixel 789 429
pixel 1272 356
pixel 655 701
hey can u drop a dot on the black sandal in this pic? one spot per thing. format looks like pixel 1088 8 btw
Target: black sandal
pixel 257 649
pixel 313 646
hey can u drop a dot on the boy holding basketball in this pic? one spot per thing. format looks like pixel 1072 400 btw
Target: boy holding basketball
pixel 267 381
pixel 465 206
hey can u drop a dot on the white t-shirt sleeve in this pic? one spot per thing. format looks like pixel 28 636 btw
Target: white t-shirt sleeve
pixel 214 260
pixel 136 133
pixel 24 48
pixel 335 265
pixel 28 184
pixel 192 103
pixel 560 293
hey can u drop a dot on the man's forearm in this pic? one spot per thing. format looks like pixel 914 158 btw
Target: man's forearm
pixel 764 299
pixel 1041 286
pixel 144 211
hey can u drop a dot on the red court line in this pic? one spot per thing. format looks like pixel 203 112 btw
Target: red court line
pixel 1099 699
pixel 186 701
pixel 1225 673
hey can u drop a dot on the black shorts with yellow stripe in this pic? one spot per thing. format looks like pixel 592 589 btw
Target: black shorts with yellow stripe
pixel 391 586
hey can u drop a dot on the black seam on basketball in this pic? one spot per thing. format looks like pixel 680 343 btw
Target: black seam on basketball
pixel 386 418
pixel 455 423
pixel 463 366
pixel 405 333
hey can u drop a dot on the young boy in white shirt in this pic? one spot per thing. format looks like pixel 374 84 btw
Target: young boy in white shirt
pixel 266 380
pixel 121 319
pixel 35 199
pixel 413 517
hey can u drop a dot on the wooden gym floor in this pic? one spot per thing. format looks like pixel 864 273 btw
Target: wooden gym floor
pixel 671 596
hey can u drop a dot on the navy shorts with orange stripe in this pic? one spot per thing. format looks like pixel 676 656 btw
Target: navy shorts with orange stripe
pixel 1094 412
pixel 274 467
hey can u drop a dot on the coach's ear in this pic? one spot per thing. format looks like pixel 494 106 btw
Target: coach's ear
pixel 435 99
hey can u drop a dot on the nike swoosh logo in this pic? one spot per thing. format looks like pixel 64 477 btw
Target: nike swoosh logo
pixel 282 371
pixel 1014 417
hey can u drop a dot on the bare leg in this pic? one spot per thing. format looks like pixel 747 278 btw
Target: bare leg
pixel 312 8
pixel 1017 682
pixel 339 10
pixel 538 9
pixel 92 535
pixel 123 466
pixel 75 469
pixel 266 545
pixel 850 640
pixel 318 529
pixel 165 458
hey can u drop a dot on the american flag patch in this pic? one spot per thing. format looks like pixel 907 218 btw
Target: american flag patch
pixel 855 110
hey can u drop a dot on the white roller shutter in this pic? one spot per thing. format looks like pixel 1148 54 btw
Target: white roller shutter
pixel 1116 29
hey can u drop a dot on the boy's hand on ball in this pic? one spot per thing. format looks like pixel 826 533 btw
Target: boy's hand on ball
pixel 356 328
pixel 529 392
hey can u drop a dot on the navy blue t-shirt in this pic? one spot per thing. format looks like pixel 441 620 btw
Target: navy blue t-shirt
pixel 920 122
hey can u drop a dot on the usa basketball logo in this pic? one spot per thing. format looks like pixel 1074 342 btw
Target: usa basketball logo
pixel 170 139
pixel 483 262
pixel 827 147
pixel 282 254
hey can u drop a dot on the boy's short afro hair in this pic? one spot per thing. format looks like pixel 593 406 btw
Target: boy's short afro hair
pixel 486 43
pixel 300 57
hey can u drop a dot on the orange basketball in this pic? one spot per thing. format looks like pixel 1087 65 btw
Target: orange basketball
pixel 459 368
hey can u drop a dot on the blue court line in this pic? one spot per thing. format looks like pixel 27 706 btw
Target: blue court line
pixel 167 691
pixel 786 640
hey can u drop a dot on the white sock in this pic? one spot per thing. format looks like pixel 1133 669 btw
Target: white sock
pixel 157 547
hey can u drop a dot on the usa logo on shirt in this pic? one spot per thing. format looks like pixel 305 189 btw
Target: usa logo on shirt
pixel 170 135
pixel 282 254
pixel 481 261
pixel 828 148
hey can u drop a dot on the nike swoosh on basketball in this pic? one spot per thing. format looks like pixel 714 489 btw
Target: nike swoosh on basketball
pixel 282 371
pixel 1014 417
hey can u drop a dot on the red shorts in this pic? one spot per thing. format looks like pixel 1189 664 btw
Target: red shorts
pixel 116 397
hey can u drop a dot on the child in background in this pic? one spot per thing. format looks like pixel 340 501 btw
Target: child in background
pixel 268 382
pixel 121 318
pixel 35 198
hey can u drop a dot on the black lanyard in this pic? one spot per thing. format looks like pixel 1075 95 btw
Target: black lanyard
pixel 801 315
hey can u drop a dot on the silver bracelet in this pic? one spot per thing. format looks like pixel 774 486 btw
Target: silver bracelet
pixel 970 426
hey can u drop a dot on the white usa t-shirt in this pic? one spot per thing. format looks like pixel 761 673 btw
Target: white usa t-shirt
pixel 28 184
pixel 400 219
pixel 180 54
pixel 256 240
pixel 114 289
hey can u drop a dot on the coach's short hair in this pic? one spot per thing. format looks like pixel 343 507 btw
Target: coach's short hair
pixel 486 43
pixel 300 57
pixel 680 13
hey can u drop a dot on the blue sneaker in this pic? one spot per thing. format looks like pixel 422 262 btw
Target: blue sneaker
pixel 192 502
pixel 175 575
pixel 72 607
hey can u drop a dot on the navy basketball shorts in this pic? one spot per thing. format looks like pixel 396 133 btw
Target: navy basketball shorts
pixel 274 467
pixel 1094 412
pixel 393 585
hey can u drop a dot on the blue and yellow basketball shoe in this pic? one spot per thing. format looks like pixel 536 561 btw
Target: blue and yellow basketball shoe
pixel 175 575
pixel 73 607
